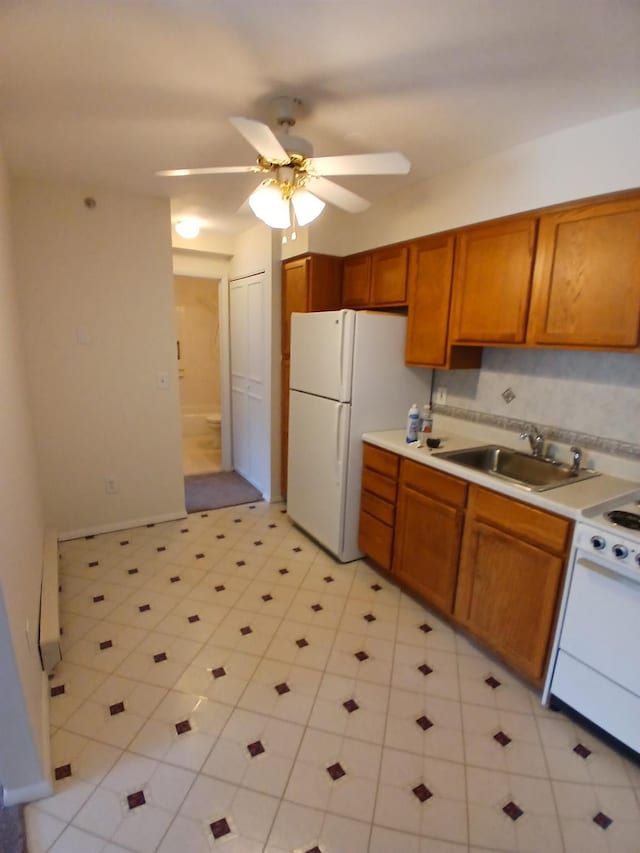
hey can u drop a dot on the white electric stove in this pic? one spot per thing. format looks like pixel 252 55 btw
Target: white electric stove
pixel 595 665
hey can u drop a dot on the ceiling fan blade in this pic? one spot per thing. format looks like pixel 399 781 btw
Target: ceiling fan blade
pixel 335 194
pixel 261 137
pixel 385 163
pixel 207 170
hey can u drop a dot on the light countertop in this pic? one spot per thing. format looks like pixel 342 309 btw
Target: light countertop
pixel 569 501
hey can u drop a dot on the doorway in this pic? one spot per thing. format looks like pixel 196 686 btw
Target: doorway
pixel 199 371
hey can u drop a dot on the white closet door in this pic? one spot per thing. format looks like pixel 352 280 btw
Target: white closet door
pixel 248 429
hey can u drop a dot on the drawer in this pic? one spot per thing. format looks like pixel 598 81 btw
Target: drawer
pixel 537 526
pixel 379 508
pixel 442 487
pixel 381 461
pixel 379 485
pixel 376 540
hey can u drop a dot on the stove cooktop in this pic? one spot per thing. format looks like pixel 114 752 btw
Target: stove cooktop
pixel 621 515
pixel 624 518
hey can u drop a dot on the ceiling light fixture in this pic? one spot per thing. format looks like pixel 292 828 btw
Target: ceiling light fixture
pixel 272 201
pixel 188 228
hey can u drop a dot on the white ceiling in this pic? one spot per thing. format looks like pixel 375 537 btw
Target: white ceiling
pixel 106 92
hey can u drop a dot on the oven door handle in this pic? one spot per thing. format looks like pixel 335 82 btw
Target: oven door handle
pixel 615 575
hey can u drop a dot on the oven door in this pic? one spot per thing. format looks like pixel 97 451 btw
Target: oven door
pixel 601 626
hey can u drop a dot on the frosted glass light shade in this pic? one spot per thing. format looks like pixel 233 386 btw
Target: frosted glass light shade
pixel 306 206
pixel 268 205
pixel 188 228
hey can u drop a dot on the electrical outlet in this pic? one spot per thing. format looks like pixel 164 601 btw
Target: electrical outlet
pixel 440 395
pixel 111 485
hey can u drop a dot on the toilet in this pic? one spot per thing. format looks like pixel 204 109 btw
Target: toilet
pixel 213 425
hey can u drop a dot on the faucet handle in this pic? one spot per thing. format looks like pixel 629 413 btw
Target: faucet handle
pixel 576 454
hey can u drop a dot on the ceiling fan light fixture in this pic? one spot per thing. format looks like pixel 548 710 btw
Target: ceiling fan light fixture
pixel 307 206
pixel 269 205
pixel 188 228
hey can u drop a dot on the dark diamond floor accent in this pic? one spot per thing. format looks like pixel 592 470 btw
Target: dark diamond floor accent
pixel 237 521
pixel 117 708
pixel 200 556
pixel 93 564
pixel 267 597
pixel 98 598
pixel 152 524
pixel 57 691
pixel 204 515
pixel 132 571
pixel 125 542
pixel 136 799
pixel 315 849
pixel 283 688
pixel 220 536
pixel 316 607
pixel 297 549
pixel 351 705
pixel 335 771
pixel 194 618
pixel 62 772
pixel 183 727
pixel 283 571
pixel 512 810
pixel 424 723
pixel 581 750
pixel 144 607
pixel 220 588
pixel 422 792
pixel 218 672
pixel 328 579
pixel 425 669
pixel 369 617
pixel 272 525
pixel 361 656
pixel 258 542
pixel 175 579
pixel 162 548
pixel 425 628
pixel 184 530
pixel 602 820
pixel 255 748
pixel 90 536
pixel 502 738
pixel 492 682
pixel 301 643
pixel 246 630
pixel 240 563
pixel 105 644
pixel 376 587
pixel 160 657
pixel 219 828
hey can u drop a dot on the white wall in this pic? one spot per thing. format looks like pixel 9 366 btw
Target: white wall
pixel 96 294
pixel 24 730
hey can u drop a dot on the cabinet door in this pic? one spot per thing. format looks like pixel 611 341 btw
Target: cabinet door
pixel 389 276
pixel 491 282
pixel 427 545
pixel 356 281
pixel 507 594
pixel 587 277
pixel 325 283
pixel 429 296
pixel 295 279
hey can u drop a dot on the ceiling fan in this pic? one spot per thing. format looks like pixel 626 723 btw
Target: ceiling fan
pixel 292 176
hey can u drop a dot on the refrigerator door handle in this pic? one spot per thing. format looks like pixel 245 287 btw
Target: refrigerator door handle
pixel 342 325
pixel 339 443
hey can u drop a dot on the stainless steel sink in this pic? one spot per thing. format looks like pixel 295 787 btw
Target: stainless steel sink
pixel 535 473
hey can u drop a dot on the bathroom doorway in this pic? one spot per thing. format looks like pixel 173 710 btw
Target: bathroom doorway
pixel 199 371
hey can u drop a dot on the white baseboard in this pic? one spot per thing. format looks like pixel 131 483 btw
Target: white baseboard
pixel 120 525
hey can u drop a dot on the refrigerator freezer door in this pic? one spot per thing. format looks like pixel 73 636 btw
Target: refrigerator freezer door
pixel 316 489
pixel 322 353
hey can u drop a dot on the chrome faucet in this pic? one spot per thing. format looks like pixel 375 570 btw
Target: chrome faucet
pixel 576 458
pixel 536 439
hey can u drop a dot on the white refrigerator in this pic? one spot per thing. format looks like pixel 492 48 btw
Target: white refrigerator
pixel 347 377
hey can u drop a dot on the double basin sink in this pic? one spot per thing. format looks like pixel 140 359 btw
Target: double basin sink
pixel 535 473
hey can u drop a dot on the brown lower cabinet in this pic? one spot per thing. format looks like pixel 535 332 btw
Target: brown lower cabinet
pixel 491 563
pixel 429 520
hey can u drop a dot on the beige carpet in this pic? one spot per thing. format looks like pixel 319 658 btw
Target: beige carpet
pixel 213 491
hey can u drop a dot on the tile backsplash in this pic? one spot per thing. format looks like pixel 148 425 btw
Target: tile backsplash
pixel 592 393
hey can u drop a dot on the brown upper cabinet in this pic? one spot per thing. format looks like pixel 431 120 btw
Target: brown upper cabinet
pixel 586 287
pixel 492 282
pixel 376 279
pixel 429 297
pixel 309 283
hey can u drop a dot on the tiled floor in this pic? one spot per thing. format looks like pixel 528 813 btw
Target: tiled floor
pixel 199 456
pixel 226 686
